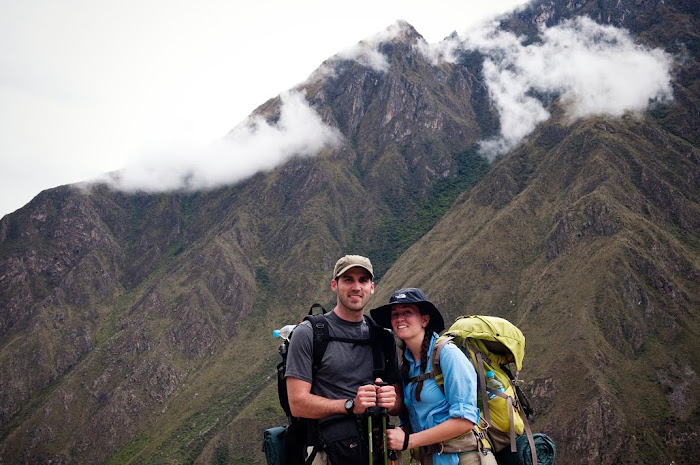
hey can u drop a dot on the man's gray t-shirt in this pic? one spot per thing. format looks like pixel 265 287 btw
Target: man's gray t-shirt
pixel 345 366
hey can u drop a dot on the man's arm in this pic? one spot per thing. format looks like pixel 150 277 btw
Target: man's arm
pixel 303 404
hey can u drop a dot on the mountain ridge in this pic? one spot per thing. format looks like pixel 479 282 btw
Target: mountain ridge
pixel 127 319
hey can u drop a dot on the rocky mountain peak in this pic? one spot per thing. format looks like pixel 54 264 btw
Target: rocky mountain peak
pixel 404 32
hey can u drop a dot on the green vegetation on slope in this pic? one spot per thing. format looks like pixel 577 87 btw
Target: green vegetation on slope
pixel 428 209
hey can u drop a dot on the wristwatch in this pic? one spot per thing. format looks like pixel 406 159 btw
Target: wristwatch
pixel 349 406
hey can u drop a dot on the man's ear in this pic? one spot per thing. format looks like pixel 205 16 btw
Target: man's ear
pixel 334 286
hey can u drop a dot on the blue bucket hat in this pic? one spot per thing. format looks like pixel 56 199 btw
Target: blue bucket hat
pixel 409 295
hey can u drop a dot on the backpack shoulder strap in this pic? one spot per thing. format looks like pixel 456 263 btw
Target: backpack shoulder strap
pixel 320 340
pixel 383 346
pixel 522 400
pixel 474 353
pixel 435 360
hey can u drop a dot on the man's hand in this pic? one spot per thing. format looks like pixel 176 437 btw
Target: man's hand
pixel 386 394
pixel 366 397
pixel 373 395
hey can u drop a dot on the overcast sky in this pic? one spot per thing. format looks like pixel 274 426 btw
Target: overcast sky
pixel 149 87
pixel 89 86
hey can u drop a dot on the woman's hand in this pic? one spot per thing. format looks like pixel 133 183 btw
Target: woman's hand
pixel 395 438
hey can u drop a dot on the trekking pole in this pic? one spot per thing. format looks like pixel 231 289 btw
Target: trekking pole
pixel 384 414
pixel 373 413
pixel 370 435
pixel 390 455
pixel 386 451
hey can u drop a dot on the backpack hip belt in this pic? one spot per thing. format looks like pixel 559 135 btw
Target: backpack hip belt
pixel 471 441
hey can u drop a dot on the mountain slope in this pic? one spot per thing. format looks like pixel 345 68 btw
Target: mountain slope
pixel 136 327
pixel 586 237
pixel 593 254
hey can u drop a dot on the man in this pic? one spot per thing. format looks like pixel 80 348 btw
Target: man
pixel 344 385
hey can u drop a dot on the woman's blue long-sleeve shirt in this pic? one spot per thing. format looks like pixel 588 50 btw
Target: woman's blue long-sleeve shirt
pixel 434 407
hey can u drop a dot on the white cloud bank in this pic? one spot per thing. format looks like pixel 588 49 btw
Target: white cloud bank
pixel 251 147
pixel 89 87
pixel 595 69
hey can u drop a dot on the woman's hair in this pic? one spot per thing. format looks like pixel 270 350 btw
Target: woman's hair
pixel 423 355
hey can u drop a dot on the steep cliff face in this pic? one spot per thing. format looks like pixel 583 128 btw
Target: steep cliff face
pixel 62 261
pixel 399 108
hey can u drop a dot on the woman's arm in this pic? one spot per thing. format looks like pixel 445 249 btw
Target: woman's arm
pixel 438 433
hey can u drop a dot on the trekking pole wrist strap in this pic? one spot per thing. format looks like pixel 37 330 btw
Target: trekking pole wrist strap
pixel 405 441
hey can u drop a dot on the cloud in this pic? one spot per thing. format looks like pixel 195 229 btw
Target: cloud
pixel 364 52
pixel 595 69
pixel 443 51
pixel 253 146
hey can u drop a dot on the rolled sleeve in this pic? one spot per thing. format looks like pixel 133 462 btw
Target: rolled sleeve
pixel 460 383
pixel 466 411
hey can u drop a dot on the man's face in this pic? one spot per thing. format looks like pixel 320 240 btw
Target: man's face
pixel 354 288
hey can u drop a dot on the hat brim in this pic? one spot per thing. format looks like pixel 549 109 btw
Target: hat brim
pixel 353 266
pixel 382 315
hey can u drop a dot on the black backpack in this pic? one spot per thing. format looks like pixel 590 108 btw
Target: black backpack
pixel 295 434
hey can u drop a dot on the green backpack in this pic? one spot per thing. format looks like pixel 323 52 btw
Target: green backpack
pixel 491 343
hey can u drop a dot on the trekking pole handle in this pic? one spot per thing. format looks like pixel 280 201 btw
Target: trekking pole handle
pixel 382 410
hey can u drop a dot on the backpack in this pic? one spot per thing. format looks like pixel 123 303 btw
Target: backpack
pixel 293 437
pixel 491 343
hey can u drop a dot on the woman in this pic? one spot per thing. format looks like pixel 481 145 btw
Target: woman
pixel 440 423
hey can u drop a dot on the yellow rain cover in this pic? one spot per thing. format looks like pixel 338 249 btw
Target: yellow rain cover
pixel 482 329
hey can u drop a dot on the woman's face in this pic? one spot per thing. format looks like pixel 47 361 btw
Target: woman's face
pixel 407 321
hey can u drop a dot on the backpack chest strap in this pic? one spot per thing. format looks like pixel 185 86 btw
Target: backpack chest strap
pixel 435 370
pixel 322 337
pixel 421 377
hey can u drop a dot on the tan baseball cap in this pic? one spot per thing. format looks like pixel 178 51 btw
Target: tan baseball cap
pixel 349 261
